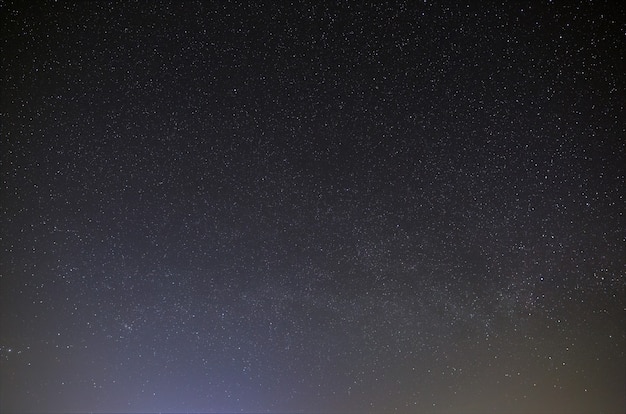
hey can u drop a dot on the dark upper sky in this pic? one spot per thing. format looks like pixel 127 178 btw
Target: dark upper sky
pixel 225 207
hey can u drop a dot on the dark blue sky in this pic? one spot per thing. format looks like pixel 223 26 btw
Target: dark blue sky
pixel 227 207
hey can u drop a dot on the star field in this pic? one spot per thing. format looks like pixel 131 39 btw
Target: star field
pixel 232 207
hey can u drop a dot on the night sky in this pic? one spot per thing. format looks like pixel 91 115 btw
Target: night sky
pixel 237 207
